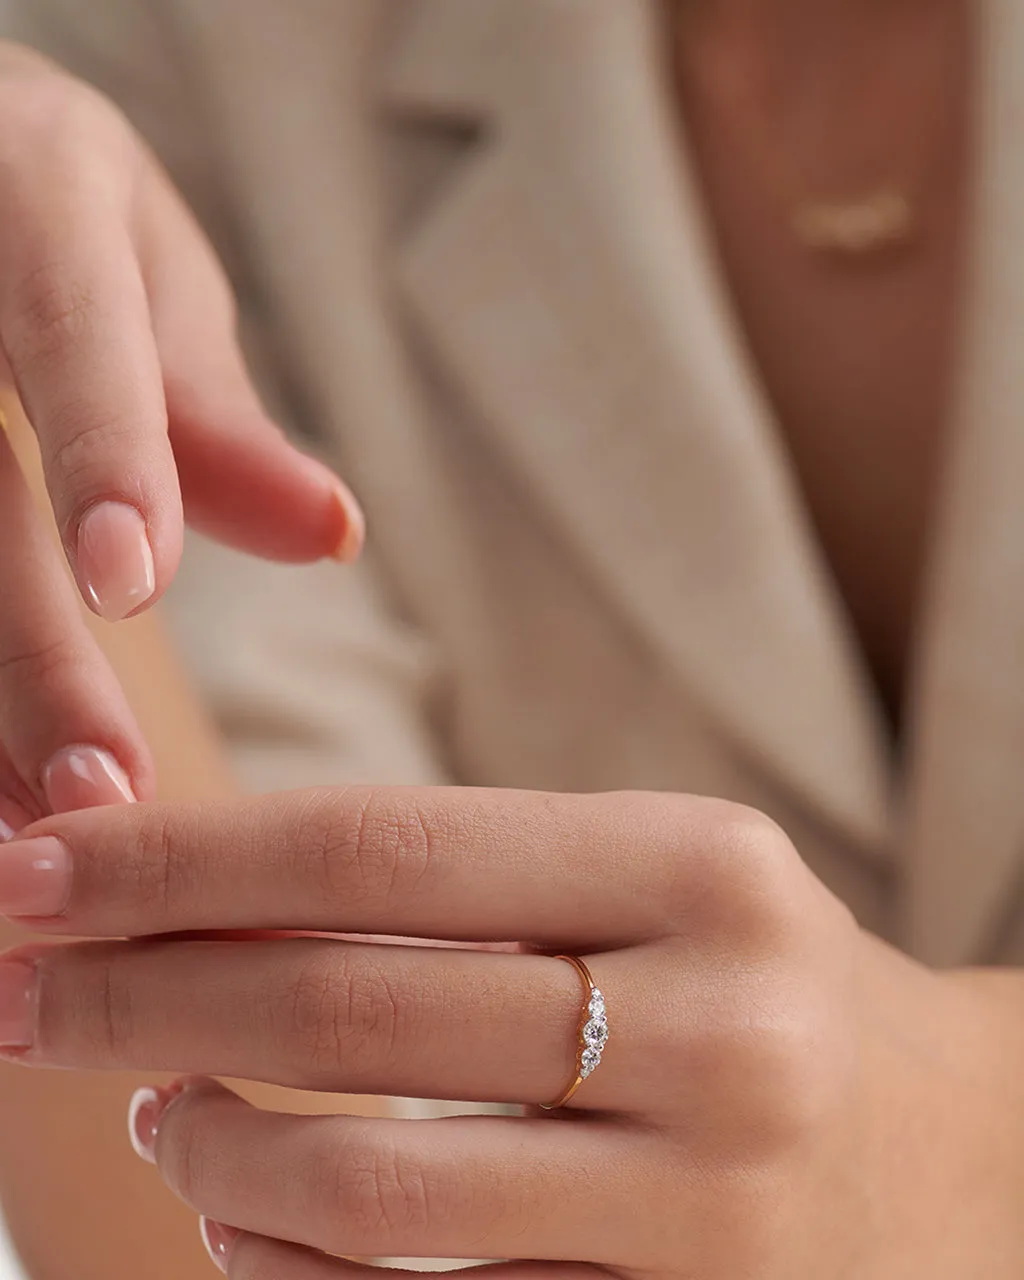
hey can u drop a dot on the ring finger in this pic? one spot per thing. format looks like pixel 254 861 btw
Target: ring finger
pixel 325 1014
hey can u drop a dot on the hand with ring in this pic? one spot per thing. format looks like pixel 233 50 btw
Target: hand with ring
pixel 758 1088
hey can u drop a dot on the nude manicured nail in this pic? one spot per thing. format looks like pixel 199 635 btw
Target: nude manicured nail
pixel 351 530
pixel 219 1240
pixel 35 877
pixel 18 1002
pixel 146 1107
pixel 114 560
pixel 351 541
pixel 82 777
pixel 7 832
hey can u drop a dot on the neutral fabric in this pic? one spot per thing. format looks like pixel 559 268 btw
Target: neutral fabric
pixel 475 269
pixel 10 1264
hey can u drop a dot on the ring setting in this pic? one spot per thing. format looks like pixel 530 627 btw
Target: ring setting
pixel 592 1033
pixel 595 1033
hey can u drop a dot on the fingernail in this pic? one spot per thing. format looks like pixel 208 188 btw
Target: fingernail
pixel 18 1003
pixel 82 777
pixel 35 877
pixel 219 1240
pixel 12 819
pixel 146 1107
pixel 351 531
pixel 114 560
pixel 350 544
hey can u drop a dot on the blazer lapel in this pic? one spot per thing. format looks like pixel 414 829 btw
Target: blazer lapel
pixel 965 810
pixel 565 279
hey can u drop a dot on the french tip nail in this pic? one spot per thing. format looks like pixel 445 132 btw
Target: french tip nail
pixel 218 1240
pixel 114 560
pixel 143 1113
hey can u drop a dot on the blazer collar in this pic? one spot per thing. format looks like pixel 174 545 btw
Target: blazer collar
pixel 570 290
pixel 565 278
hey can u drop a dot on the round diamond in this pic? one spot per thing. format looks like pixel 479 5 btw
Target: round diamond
pixel 588 1061
pixel 596 1005
pixel 596 1032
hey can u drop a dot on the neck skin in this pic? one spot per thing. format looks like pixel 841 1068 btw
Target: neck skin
pixel 766 15
pixel 785 21
pixel 813 39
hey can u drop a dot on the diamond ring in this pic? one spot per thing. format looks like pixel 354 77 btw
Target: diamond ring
pixel 593 1033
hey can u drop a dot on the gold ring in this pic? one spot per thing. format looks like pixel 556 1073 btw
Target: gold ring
pixel 592 1032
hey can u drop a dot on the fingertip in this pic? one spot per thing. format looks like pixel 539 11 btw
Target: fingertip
pixel 352 537
pixel 348 523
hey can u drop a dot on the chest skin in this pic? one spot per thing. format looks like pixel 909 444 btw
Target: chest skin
pixel 856 354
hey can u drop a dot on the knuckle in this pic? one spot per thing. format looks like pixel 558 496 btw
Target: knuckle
pixel 85 444
pixel 756 839
pixel 741 883
pixel 110 1015
pixel 55 120
pixel 375 847
pixel 53 311
pixel 396 843
pixel 163 865
pixel 38 663
pixel 314 1019
pixel 325 847
pixel 344 1014
pixel 767 1068
pixel 655 830
pixel 378 1189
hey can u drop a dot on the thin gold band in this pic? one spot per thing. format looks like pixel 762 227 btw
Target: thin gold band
pixel 592 1032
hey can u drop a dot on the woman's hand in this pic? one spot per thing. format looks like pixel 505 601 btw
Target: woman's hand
pixel 117 329
pixel 780 1096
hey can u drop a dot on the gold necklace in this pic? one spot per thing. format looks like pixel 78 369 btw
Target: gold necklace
pixel 884 217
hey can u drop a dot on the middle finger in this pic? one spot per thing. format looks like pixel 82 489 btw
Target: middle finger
pixel 469 864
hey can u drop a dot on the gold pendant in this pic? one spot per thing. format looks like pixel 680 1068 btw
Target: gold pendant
pixel 882 220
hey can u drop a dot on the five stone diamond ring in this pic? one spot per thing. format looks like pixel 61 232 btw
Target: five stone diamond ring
pixel 593 1032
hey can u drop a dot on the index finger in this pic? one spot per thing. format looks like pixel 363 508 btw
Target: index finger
pixel 76 331
pixel 462 864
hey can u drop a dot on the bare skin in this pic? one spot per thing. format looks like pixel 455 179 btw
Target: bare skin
pixel 67 1159
pixel 812 98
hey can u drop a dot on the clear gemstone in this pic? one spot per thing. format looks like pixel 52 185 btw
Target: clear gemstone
pixel 596 1006
pixel 596 1032
pixel 588 1061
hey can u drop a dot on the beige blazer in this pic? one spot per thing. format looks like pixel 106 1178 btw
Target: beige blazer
pixel 474 266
